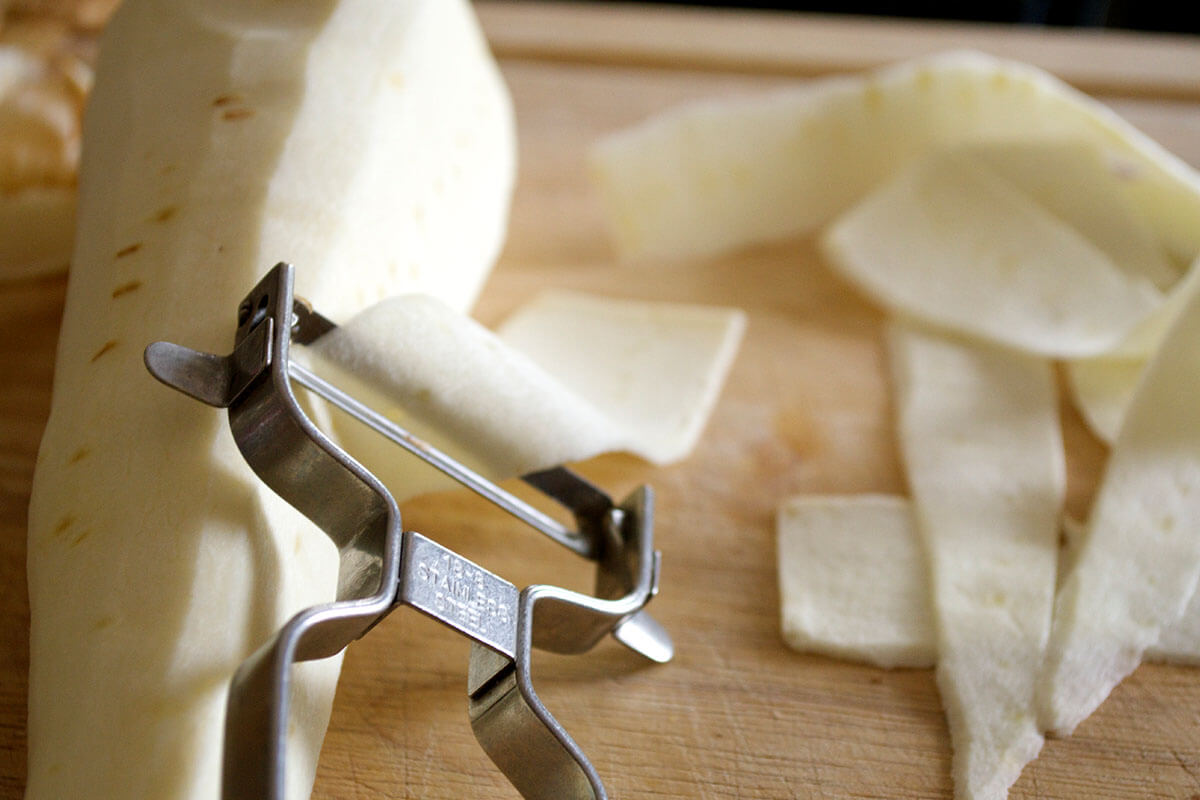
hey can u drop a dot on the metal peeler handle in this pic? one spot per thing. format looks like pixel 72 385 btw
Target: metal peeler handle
pixel 381 566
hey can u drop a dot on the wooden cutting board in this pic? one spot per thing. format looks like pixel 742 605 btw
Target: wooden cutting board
pixel 737 714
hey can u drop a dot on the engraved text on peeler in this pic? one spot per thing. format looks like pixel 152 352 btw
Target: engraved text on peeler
pixel 458 593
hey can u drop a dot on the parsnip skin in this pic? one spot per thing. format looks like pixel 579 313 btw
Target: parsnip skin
pixel 358 140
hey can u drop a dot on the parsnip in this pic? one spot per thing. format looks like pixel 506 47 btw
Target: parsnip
pixel 367 141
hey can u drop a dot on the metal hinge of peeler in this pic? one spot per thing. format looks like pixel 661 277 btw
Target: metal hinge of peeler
pixel 382 566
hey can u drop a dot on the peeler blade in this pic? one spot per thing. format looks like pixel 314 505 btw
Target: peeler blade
pixel 643 634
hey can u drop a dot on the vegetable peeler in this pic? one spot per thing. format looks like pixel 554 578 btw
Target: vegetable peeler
pixel 382 566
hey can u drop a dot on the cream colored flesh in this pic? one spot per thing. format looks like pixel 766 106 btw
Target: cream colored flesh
pixel 1103 386
pixel 222 137
pixel 1179 642
pixel 714 176
pixel 1140 561
pixel 655 369
pixel 978 429
pixel 950 242
pixel 1071 180
pixel 854 584
pixel 853 580
pixel 569 376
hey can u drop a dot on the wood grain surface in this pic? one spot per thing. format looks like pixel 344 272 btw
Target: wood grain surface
pixel 737 714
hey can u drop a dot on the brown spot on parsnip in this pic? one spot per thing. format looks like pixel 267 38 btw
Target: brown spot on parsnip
pixel 79 539
pixel 79 455
pixel 130 250
pixel 126 288
pixel 235 114
pixel 165 214
pixel 227 99
pixel 103 622
pixel 109 345
pixel 65 522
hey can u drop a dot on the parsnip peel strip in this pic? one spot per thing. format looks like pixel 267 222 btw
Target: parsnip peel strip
pixel 1102 386
pixel 1140 562
pixel 713 176
pixel 854 583
pixel 654 368
pixel 853 580
pixel 1071 180
pixel 978 428
pixel 950 242
pixel 1179 642
pixel 569 376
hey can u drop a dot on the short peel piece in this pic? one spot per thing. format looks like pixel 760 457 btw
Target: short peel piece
pixel 1139 563
pixel 979 434
pixel 853 580
pixel 655 368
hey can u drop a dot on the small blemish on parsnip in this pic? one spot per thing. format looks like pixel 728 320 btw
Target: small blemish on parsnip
pixel 109 345
pixel 227 99
pixel 126 288
pixel 79 455
pixel 78 540
pixel 103 622
pixel 165 214
pixel 130 250
pixel 235 114
pixel 65 522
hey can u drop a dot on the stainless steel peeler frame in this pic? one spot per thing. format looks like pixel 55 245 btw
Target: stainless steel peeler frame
pixel 383 566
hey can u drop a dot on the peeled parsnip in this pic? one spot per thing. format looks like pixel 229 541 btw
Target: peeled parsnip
pixel 370 143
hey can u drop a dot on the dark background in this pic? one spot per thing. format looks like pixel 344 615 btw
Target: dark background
pixel 1177 16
